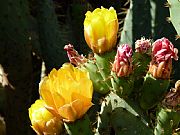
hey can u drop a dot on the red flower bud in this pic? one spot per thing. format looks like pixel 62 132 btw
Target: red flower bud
pixel 162 53
pixel 163 50
pixel 74 56
pixel 122 65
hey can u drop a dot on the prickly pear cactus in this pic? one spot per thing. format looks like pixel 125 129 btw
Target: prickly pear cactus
pixel 132 82
pixel 118 116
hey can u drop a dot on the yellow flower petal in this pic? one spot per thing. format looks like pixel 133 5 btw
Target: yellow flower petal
pixel 68 113
pixel 100 29
pixel 42 120
pixel 63 88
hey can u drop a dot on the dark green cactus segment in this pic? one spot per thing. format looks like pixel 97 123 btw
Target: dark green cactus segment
pixel 79 127
pixel 167 121
pixel 125 123
pixel 137 22
pixel 103 63
pixel 123 86
pixel 99 83
pixel 174 8
pixel 140 64
pixel 52 44
pixel 115 111
pixel 152 91
pixel 127 35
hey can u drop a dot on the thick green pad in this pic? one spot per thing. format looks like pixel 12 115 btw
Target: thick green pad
pixel 115 111
pixel 137 22
pixel 167 121
pixel 16 60
pixel 125 123
pixel 79 127
pixel 51 40
pixel 152 91
pixel 140 64
pixel 140 67
pixel 127 34
pixel 123 86
pixel 174 9
pixel 99 83
pixel 103 62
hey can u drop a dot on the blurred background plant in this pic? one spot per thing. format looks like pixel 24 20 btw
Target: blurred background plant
pixel 35 32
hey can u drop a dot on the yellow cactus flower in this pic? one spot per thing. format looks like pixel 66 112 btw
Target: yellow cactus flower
pixel 100 29
pixel 43 122
pixel 67 92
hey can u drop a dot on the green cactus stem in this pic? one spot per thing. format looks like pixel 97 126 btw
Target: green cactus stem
pixel 123 86
pixel 119 116
pixel 152 91
pixel 103 62
pixel 140 64
pixel 137 22
pixel 79 127
pixel 99 84
pixel 167 121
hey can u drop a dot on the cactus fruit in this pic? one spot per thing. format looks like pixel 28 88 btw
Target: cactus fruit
pixel 174 8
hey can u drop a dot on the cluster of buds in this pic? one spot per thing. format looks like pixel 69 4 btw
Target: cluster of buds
pixel 163 52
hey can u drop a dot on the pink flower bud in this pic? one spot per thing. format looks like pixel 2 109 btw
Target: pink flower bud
pixel 163 50
pixel 122 65
pixel 143 45
pixel 74 56
pixel 162 53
